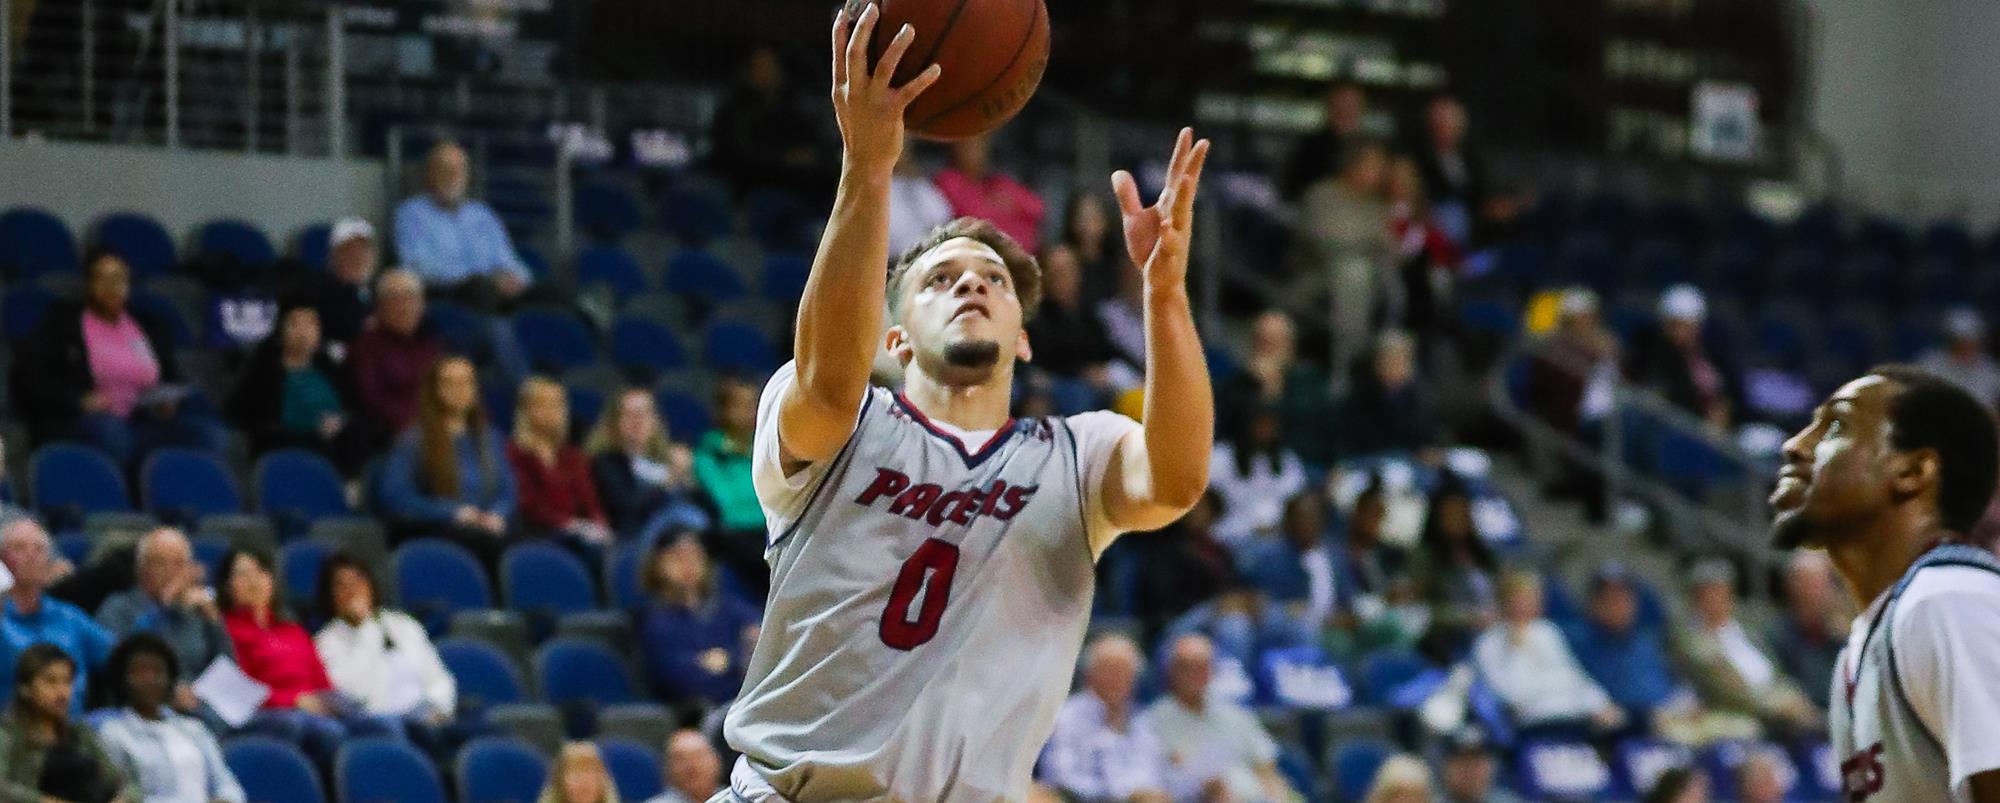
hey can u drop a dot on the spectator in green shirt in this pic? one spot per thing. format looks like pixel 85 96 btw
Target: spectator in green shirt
pixel 722 468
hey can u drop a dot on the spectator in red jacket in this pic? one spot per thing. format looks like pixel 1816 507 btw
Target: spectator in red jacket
pixel 975 189
pixel 275 651
pixel 557 497
pixel 392 357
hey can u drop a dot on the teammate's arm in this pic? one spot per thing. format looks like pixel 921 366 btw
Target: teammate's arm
pixel 1160 470
pixel 840 314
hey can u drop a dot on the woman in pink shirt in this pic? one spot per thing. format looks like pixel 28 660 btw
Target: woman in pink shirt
pixel 975 190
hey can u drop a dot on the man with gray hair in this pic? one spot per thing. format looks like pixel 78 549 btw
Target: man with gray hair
pixel 693 771
pixel 454 242
pixel 1964 358
pixel 392 356
pixel 32 617
pixel 1102 749
pixel 172 600
pixel 1212 744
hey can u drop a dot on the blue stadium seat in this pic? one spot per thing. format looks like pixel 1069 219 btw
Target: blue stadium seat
pixel 574 671
pixel 610 266
pixel 21 310
pixel 1852 341
pixel 738 347
pixel 647 345
pixel 298 567
pixel 1488 317
pixel 75 478
pixel 299 485
pixel 314 245
pixel 1948 243
pixel 1657 264
pixel 621 576
pixel 437 578
pixel 1355 765
pixel 554 341
pixel 1819 772
pixel 545 578
pixel 184 485
pixel 1383 672
pixel 1780 341
pixel 209 550
pixel 785 276
pixel 462 330
pixel 271 771
pixel 606 211
pixel 538 265
pixel 695 215
pixel 700 274
pixel 1911 337
pixel 634 768
pixel 686 416
pixel 1563 771
pixel 485 675
pixel 375 770
pixel 236 239
pixel 776 217
pixel 1640 763
pixel 34 242
pixel 74 547
pixel 167 314
pixel 141 241
pixel 497 769
pixel 585 405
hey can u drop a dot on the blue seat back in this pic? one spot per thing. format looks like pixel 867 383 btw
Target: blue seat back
pixel 545 578
pixel 606 211
pixel 612 267
pixel 485 675
pixel 67 476
pixel 494 769
pixel 1355 765
pixel 575 670
pixel 646 344
pixel 237 239
pixel 621 576
pixel 180 332
pixel 301 484
pixel 299 563
pixel 34 242
pixel 634 768
pixel 554 341
pixel 695 215
pixel 740 348
pixel 686 416
pixel 373 770
pixel 21 310
pixel 703 275
pixel 785 276
pixel 187 481
pixel 315 245
pixel 141 241
pixel 1383 672
pixel 436 578
pixel 271 771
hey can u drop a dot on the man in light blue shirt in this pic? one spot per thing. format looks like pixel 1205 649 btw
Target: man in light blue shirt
pixel 1103 750
pixel 450 240
pixel 32 617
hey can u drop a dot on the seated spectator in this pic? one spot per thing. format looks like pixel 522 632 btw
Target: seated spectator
pixel 915 205
pixel 558 500
pixel 1455 178
pixel 1294 576
pixel 976 189
pixel 1678 785
pixel 578 775
pixel 769 134
pixel 1677 361
pixel 1427 257
pixel 1184 566
pixel 171 757
pixel 381 659
pixel 447 475
pixel 693 772
pixel 1401 779
pixel 1732 670
pixel 1468 771
pixel 274 650
pixel 1212 745
pixel 1274 374
pixel 1099 249
pixel 645 481
pixel 33 617
pixel 1102 750
pixel 1068 339
pixel 1343 259
pixel 1454 570
pixel 341 292
pixel 1254 473
pixel 294 396
pixel 171 600
pixel 454 243
pixel 45 755
pixel 1375 603
pixel 1123 315
pixel 1573 371
pixel 1387 409
pixel 696 639
pixel 1812 627
pixel 722 467
pixel 1963 358
pixel 104 373
pixel 1761 777
pixel 1317 156
pixel 392 355
pixel 1628 658
pixel 1532 669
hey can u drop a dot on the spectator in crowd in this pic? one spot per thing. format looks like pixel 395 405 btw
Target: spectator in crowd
pixel 1761 778
pixel 45 755
pixel 579 776
pixel 768 134
pixel 1102 749
pixel 448 474
pixel 1571 380
pixel 1455 569
pixel 173 601
pixel 1427 257
pixel 392 355
pixel 1087 230
pixel 274 650
pixel 1295 575
pixel 1469 770
pixel 915 204
pixel 455 243
pixel 1812 627
pixel 1124 315
pixel 1212 744
pixel 976 189
pixel 1068 339
pixel 722 468
pixel 105 373
pixel 1275 374
pixel 1318 155
pixel 1387 409
pixel 1343 257
pixel 294 396
pixel 1372 589
pixel 342 294
pixel 1676 361
pixel 1963 358
pixel 1531 667
pixel 1733 670
pixel 1678 785
pixel 1254 472
pixel 170 756
pixel 1184 566
pixel 33 617
pixel 381 659
pixel 1629 658
pixel 557 497
pixel 1401 779
pixel 694 772
pixel 644 480
pixel 1455 177
pixel 696 639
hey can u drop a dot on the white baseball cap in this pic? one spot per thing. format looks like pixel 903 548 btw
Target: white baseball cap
pixel 1682 302
pixel 350 228
pixel 1577 301
pixel 1964 323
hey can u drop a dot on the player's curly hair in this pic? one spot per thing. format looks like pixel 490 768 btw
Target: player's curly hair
pixel 1929 412
pixel 1021 265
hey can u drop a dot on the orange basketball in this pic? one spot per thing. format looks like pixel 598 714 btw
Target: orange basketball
pixel 992 51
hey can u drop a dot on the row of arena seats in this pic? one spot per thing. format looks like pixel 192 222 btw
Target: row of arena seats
pixel 488 769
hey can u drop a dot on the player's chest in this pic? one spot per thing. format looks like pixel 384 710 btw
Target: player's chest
pixel 1875 734
pixel 1019 489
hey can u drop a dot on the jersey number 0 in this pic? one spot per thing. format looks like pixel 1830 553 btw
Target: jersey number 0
pixel 928 571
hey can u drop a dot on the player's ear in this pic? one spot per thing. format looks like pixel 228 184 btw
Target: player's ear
pixel 1914 471
pixel 897 342
pixel 1022 349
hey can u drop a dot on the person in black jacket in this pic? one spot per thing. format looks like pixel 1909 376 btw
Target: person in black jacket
pixel 1679 360
pixel 645 481
pixel 341 293
pixel 1455 178
pixel 103 373
pixel 1388 411
pixel 1318 155
pixel 293 395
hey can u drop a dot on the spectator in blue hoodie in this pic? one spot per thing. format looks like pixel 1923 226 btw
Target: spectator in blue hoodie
pixel 696 639
pixel 1295 576
pixel 1626 656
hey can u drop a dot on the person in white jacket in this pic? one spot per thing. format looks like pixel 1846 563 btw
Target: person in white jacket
pixel 1530 666
pixel 381 658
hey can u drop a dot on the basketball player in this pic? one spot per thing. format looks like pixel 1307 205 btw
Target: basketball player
pixel 1891 475
pixel 932 559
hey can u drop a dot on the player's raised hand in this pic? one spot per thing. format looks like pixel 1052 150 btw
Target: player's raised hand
pixel 1157 236
pixel 870 111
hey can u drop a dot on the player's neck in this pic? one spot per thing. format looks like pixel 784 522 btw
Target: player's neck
pixel 974 408
pixel 1872 562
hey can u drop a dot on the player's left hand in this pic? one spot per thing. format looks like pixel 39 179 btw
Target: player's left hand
pixel 1157 236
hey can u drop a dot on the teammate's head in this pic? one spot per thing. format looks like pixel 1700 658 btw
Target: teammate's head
pixel 1897 439
pixel 959 301
pixel 1111 668
pixel 1190 664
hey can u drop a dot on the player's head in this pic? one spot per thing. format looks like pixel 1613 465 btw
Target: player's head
pixel 1897 439
pixel 1111 668
pixel 959 301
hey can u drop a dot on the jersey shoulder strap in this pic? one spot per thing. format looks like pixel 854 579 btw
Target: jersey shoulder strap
pixel 1944 555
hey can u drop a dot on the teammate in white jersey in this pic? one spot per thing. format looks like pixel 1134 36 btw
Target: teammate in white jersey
pixel 932 559
pixel 1889 479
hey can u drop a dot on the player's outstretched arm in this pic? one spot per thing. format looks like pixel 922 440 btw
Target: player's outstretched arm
pixel 840 315
pixel 1161 470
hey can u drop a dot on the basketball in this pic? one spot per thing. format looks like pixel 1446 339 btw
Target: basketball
pixel 992 52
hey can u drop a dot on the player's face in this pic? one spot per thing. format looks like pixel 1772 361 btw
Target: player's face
pixel 1835 469
pixel 960 316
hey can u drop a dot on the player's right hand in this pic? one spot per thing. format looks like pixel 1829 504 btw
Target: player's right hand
pixel 869 110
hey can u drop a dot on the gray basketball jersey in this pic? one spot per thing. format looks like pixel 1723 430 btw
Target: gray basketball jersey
pixel 927 605
pixel 1888 753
